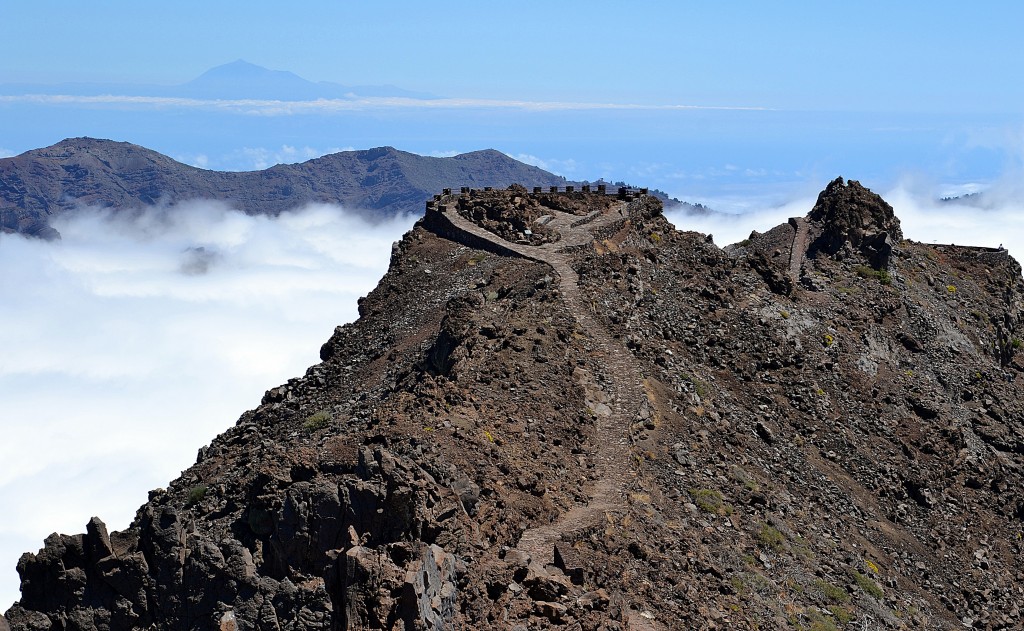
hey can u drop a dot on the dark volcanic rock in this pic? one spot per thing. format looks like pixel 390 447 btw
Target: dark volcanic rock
pixel 41 184
pixel 855 219
pixel 615 425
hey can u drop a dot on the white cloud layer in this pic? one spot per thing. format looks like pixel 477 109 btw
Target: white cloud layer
pixel 257 158
pixel 132 342
pixel 271 107
pixel 995 217
pixel 565 168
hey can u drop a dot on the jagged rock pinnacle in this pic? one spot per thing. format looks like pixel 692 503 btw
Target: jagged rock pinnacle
pixel 854 219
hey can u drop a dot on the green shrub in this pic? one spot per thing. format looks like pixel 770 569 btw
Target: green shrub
pixel 708 500
pixel 698 386
pixel 770 537
pixel 821 623
pixel 881 275
pixel 196 494
pixel 317 421
pixel 866 584
pixel 831 592
pixel 843 615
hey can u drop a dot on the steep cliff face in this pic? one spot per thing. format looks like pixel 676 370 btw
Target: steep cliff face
pixel 556 410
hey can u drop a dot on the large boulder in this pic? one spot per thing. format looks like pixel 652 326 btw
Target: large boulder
pixel 854 220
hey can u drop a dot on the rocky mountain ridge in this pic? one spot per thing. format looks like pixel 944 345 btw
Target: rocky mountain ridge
pixel 41 184
pixel 558 411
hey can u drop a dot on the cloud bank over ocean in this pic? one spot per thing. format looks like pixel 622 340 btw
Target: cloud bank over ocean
pixel 993 219
pixel 277 107
pixel 139 337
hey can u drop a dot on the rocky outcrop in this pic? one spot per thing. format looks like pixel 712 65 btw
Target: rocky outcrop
pixel 853 219
pixel 351 552
pixel 617 425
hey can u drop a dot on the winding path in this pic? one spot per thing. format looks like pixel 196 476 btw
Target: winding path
pixel 624 387
pixel 799 248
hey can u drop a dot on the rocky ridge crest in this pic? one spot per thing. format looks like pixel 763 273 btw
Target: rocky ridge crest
pixel 558 411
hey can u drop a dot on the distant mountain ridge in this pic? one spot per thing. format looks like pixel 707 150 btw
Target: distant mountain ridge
pixel 235 80
pixel 41 184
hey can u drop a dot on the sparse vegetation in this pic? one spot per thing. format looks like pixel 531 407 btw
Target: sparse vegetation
pixel 832 592
pixel 317 421
pixel 820 623
pixel 196 494
pixel 710 501
pixel 843 615
pixel 770 537
pixel 881 275
pixel 698 386
pixel 867 585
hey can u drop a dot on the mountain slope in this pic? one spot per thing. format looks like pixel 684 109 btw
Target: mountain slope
pixel 44 183
pixel 556 411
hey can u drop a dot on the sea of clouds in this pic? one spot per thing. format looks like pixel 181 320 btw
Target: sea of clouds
pixel 994 218
pixel 140 336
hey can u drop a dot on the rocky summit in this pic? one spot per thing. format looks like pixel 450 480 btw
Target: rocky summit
pixel 558 411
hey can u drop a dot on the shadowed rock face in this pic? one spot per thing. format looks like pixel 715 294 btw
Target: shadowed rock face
pixel 604 424
pixel 854 219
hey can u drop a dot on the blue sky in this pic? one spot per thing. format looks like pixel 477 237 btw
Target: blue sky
pixel 909 56
pixel 876 91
